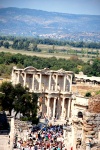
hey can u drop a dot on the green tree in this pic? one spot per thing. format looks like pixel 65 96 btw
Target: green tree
pixel 1 43
pixel 53 47
pixel 97 52
pixel 82 52
pixel 26 45
pixel 26 103
pixel 15 44
pixel 34 48
pixel 96 67
pixel 6 44
pixel 7 96
pixel 87 69
pixel 34 107
pixel 20 45
pixel 19 91
pixel 20 99
pixel 88 94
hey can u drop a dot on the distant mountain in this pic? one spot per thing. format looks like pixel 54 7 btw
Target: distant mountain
pixel 30 22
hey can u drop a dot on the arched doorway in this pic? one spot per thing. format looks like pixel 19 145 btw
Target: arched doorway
pixel 80 114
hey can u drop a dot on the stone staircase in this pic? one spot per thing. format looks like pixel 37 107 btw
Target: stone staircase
pixel 56 122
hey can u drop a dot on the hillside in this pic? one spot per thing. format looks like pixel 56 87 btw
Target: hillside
pixel 30 22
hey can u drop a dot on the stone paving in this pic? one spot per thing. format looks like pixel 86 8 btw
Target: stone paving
pixel 4 145
pixel 5 139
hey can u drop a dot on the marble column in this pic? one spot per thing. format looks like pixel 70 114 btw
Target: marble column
pixel 12 133
pixel 50 82
pixel 43 106
pixel 48 108
pixel 12 74
pixel 24 79
pixel 18 78
pixel 64 88
pixel 73 137
pixel 70 82
pixel 56 82
pixel 58 108
pixel 54 108
pixel 63 104
pixel 33 82
pixel 69 107
pixel 40 83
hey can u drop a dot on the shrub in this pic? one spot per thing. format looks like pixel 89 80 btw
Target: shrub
pixel 88 94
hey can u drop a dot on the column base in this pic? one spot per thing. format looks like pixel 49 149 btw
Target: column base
pixel 53 119
pixel 62 118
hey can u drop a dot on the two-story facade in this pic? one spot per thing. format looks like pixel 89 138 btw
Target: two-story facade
pixel 54 88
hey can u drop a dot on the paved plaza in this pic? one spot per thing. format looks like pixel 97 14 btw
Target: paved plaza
pixel 4 145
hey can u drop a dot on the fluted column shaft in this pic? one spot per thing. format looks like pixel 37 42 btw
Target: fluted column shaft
pixel 63 104
pixel 40 83
pixel 69 107
pixel 54 108
pixel 48 107
pixel 18 78
pixel 24 79
pixel 50 82
pixel 33 83
pixel 64 88
pixel 56 82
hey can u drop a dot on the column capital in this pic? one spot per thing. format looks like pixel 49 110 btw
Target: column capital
pixel 63 97
pixel 48 96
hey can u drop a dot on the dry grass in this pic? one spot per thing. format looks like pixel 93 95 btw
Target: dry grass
pixel 66 47
pixel 4 80
pixel 41 54
pixel 30 53
pixel 82 89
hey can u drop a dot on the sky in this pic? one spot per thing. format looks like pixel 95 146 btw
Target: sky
pixel 91 7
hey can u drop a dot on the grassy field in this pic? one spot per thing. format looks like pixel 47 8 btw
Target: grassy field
pixel 44 53
pixel 67 47
pixel 30 53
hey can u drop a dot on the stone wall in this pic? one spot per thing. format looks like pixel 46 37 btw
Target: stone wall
pixel 94 104
pixel 91 130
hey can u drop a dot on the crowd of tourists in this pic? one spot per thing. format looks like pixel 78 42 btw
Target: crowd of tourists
pixel 47 138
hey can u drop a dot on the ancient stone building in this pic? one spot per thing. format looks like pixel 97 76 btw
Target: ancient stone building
pixel 86 123
pixel 81 78
pixel 79 105
pixel 91 124
pixel 54 88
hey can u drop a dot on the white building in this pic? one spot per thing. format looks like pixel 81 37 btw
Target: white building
pixel 54 88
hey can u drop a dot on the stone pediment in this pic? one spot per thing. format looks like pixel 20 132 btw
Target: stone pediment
pixel 61 71
pixel 30 68
pixel 45 70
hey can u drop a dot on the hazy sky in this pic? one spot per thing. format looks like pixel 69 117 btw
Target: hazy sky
pixel 66 6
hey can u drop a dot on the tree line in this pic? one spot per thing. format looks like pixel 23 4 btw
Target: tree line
pixel 8 60
pixel 24 42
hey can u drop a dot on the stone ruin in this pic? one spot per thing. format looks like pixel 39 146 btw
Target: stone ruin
pixel 91 125
pixel 94 104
